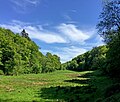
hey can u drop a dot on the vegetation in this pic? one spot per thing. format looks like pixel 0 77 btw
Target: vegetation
pixel 98 81
pixel 91 60
pixel 31 87
pixel 59 86
pixel 20 55
pixel 105 58
pixel 109 29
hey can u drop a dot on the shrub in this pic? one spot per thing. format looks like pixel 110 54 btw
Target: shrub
pixel 112 89
pixel 1 72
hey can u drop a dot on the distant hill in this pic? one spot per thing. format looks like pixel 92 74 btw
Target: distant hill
pixel 90 60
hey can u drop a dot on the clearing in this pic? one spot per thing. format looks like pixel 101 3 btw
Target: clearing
pixel 58 86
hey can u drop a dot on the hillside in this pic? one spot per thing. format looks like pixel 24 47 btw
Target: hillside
pixel 20 55
pixel 91 60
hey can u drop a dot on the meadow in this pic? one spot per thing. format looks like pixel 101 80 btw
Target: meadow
pixel 58 86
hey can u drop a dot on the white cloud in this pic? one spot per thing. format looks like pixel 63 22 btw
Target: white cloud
pixel 23 6
pixel 33 2
pixel 35 32
pixel 48 37
pixel 14 28
pixel 67 17
pixel 73 33
pixel 22 3
pixel 68 34
pixel 16 22
pixel 99 41
pixel 73 11
pixel 45 51
pixel 66 53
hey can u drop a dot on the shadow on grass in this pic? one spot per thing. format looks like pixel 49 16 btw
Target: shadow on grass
pixel 86 78
pixel 69 93
pixel 78 81
pixel 87 75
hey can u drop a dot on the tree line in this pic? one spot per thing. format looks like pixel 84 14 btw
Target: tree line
pixel 20 55
pixel 107 57
pixel 91 60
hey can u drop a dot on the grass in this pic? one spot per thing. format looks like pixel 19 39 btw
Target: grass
pixel 26 87
pixel 59 86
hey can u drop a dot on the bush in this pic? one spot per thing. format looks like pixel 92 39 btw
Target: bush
pixel 112 89
pixel 99 100
pixel 1 72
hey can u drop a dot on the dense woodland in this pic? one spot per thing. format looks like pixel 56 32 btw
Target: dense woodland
pixel 91 60
pixel 20 55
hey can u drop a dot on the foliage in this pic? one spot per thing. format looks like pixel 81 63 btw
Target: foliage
pixel 109 20
pixel 20 55
pixel 91 60
pixel 113 55
pixel 112 89
pixel 61 86
pixel 24 34
pixel 28 87
pixel 1 72
pixel 109 28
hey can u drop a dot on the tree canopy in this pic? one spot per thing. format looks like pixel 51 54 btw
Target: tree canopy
pixel 91 60
pixel 20 55
pixel 109 29
pixel 109 20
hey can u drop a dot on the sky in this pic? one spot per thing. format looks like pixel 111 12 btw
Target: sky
pixel 66 28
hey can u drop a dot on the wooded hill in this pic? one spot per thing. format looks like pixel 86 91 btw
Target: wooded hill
pixel 20 55
pixel 91 60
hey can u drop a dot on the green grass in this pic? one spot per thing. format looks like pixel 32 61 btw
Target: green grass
pixel 26 87
pixel 58 86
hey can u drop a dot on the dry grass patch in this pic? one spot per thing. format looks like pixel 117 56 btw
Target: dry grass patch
pixel 73 75
pixel 40 83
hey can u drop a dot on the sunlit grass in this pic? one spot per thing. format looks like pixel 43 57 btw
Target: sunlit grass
pixel 25 87
pixel 58 86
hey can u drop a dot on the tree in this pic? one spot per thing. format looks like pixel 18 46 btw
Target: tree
pixel 109 20
pixel 20 55
pixel 51 63
pixel 91 60
pixel 109 29
pixel 0 58
pixel 73 65
pixel 98 57
pixel 24 34
pixel 113 57
pixel 57 63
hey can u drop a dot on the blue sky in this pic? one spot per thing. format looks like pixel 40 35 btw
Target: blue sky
pixel 62 27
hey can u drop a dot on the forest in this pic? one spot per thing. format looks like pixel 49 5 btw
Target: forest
pixel 90 77
pixel 20 55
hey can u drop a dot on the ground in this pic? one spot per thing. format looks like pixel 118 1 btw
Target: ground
pixel 58 86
